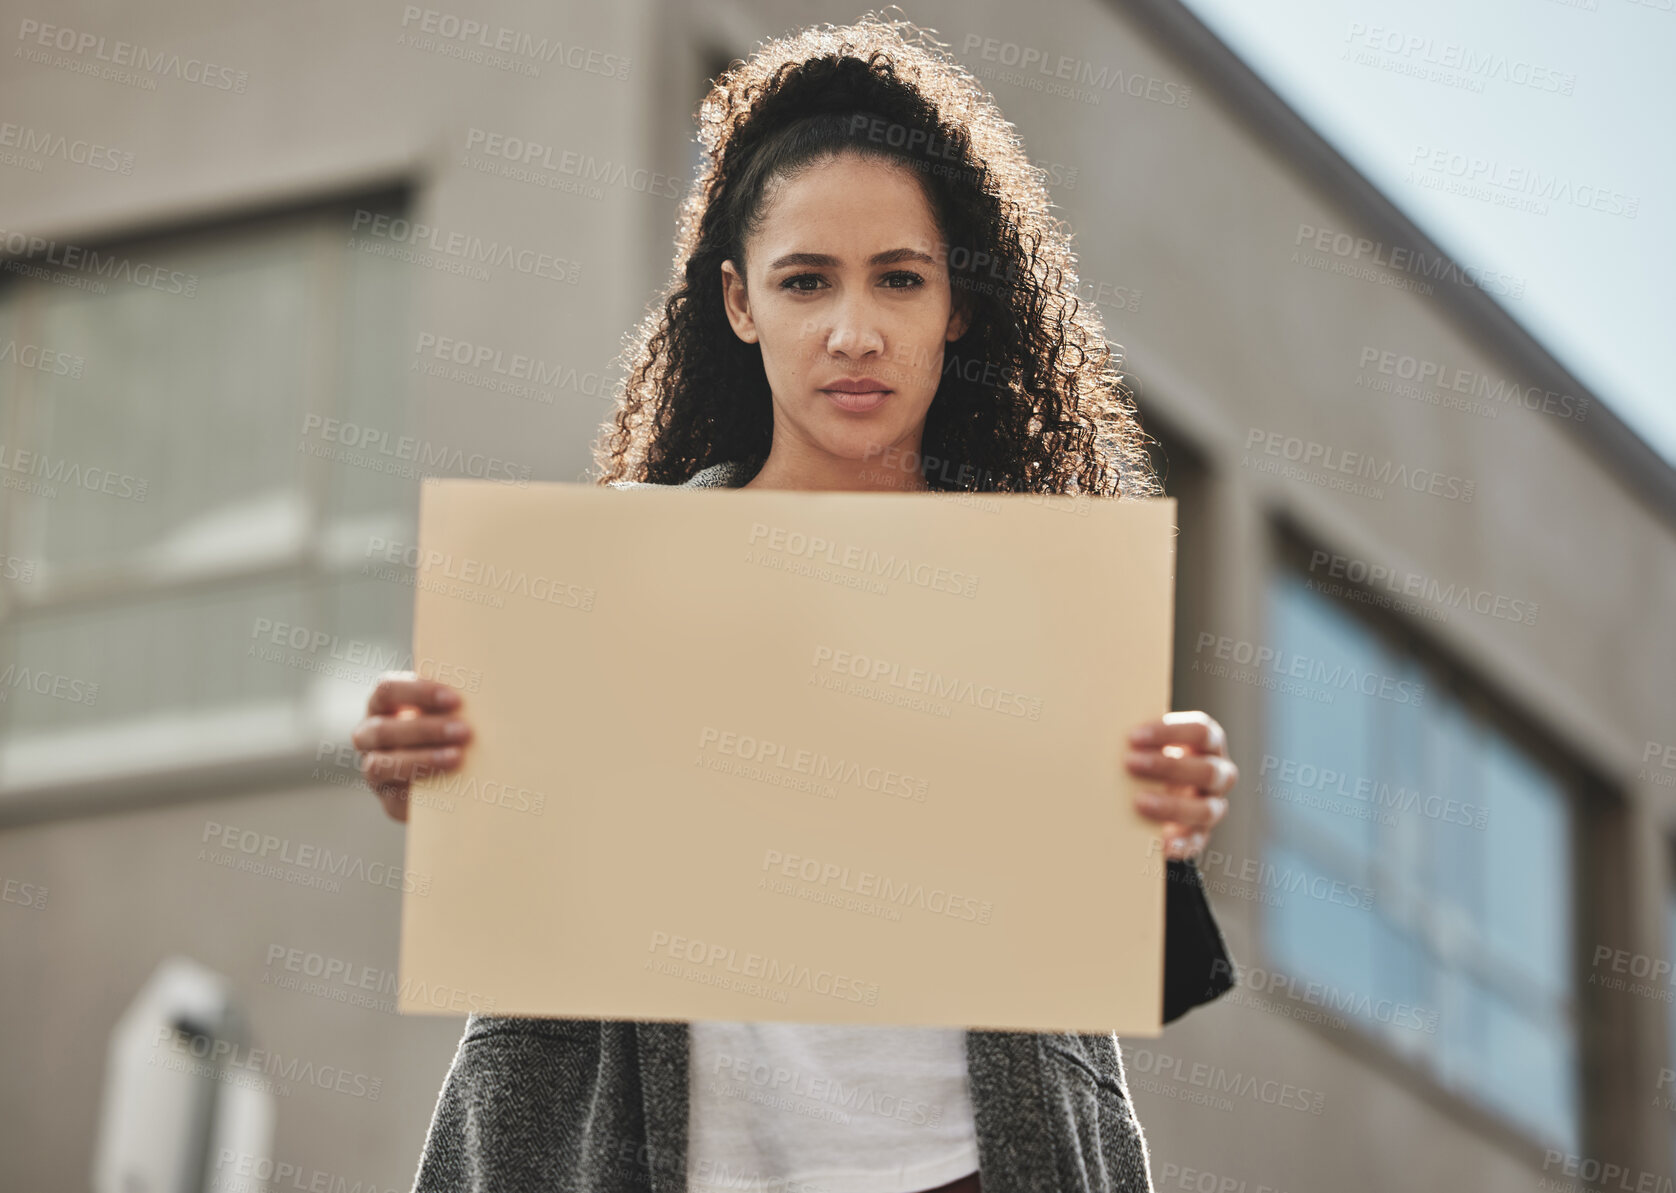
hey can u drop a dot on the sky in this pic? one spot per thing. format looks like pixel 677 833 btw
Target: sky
pixel 1536 139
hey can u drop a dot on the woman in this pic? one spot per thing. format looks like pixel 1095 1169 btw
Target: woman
pixel 869 294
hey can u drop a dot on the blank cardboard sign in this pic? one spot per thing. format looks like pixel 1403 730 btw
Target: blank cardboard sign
pixel 802 756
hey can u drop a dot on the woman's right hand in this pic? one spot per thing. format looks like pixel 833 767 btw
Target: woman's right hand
pixel 413 726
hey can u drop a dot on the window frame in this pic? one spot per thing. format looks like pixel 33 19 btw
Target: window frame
pixel 314 560
pixel 1589 806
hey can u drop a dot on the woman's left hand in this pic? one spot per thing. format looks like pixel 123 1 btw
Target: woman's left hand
pixel 1186 752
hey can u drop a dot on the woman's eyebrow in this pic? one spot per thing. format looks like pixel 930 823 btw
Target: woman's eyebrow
pixel 888 257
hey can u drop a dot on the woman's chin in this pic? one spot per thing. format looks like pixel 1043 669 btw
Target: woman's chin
pixel 858 445
pixel 862 436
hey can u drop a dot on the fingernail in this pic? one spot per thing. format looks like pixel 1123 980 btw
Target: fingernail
pixel 455 729
pixel 447 697
pixel 1143 735
pixel 1143 761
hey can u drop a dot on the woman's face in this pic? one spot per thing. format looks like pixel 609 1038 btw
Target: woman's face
pixel 848 296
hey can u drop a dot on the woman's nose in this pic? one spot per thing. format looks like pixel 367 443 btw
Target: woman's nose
pixel 856 329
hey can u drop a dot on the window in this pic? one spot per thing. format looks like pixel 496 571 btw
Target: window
pixel 1383 775
pixel 168 505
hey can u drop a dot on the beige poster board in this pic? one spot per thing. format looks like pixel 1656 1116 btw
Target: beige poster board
pixel 807 757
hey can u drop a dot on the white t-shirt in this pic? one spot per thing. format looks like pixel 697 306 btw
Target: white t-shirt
pixel 827 1108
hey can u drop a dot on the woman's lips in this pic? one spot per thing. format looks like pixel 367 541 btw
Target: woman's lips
pixel 858 403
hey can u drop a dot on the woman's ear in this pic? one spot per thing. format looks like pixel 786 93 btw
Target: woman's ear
pixel 737 303
pixel 960 318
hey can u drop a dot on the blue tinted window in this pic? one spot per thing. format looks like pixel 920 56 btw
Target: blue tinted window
pixel 1462 962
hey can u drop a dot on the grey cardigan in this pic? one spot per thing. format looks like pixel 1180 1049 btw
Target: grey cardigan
pixel 532 1105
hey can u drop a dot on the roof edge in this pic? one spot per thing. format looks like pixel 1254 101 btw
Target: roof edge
pixel 1250 101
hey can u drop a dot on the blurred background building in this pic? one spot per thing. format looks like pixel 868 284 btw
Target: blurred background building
pixel 266 266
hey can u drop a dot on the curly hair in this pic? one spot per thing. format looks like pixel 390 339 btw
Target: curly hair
pixel 1030 398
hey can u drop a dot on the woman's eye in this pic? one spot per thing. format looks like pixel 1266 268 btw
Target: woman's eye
pixel 900 279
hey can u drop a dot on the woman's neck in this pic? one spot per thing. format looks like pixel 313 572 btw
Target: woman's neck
pixel 895 473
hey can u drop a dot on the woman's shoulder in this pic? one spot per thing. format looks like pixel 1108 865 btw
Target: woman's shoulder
pixel 724 475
